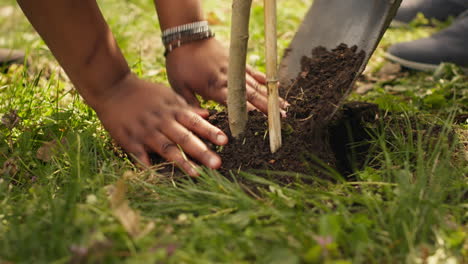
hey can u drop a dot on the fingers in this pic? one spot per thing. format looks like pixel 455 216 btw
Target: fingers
pixel 133 147
pixel 139 153
pixel 256 93
pixel 202 128
pixel 256 96
pixel 250 107
pixel 261 89
pixel 222 98
pixel 172 140
pixel 201 112
pixel 159 143
pixel 258 76
pixel 220 95
pixel 191 144
pixel 257 99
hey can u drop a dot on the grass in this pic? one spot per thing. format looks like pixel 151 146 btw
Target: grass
pixel 65 197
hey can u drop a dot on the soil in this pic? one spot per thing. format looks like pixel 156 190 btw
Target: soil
pixel 314 136
pixel 310 134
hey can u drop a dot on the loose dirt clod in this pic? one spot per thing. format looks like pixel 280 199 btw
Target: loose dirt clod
pixel 316 94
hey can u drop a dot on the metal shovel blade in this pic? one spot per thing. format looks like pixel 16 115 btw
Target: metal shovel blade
pixel 332 22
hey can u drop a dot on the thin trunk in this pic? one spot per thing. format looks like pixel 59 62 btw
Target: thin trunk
pixel 274 117
pixel 237 105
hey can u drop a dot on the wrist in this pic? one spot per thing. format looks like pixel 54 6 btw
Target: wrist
pixel 98 92
pixel 98 70
pixel 187 51
pixel 173 13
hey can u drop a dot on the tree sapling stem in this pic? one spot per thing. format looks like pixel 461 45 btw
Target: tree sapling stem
pixel 237 105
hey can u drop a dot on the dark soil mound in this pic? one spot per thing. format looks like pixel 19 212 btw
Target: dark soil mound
pixel 314 96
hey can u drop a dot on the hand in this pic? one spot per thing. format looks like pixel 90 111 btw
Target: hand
pixel 201 68
pixel 143 116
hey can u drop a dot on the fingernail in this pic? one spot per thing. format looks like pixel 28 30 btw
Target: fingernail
pixel 221 138
pixel 213 162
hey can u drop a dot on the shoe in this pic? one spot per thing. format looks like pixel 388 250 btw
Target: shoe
pixel 449 45
pixel 8 56
pixel 432 9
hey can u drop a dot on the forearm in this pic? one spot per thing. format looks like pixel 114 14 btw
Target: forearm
pixel 80 39
pixel 172 13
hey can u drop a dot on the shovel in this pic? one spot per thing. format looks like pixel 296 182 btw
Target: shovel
pixel 329 23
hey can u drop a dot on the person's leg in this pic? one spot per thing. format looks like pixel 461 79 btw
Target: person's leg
pixel 9 56
pixel 449 45
pixel 432 9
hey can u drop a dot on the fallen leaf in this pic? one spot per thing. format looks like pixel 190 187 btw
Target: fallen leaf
pixel 49 149
pixel 45 152
pixel 129 218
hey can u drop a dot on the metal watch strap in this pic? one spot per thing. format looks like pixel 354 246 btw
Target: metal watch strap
pixel 177 36
pixel 187 39
pixel 185 27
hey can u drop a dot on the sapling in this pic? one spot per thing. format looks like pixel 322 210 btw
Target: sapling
pixel 237 106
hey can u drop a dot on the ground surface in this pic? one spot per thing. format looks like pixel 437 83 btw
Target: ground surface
pixel 65 197
pixel 315 95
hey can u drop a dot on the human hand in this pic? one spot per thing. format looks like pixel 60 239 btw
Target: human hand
pixel 143 116
pixel 201 67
